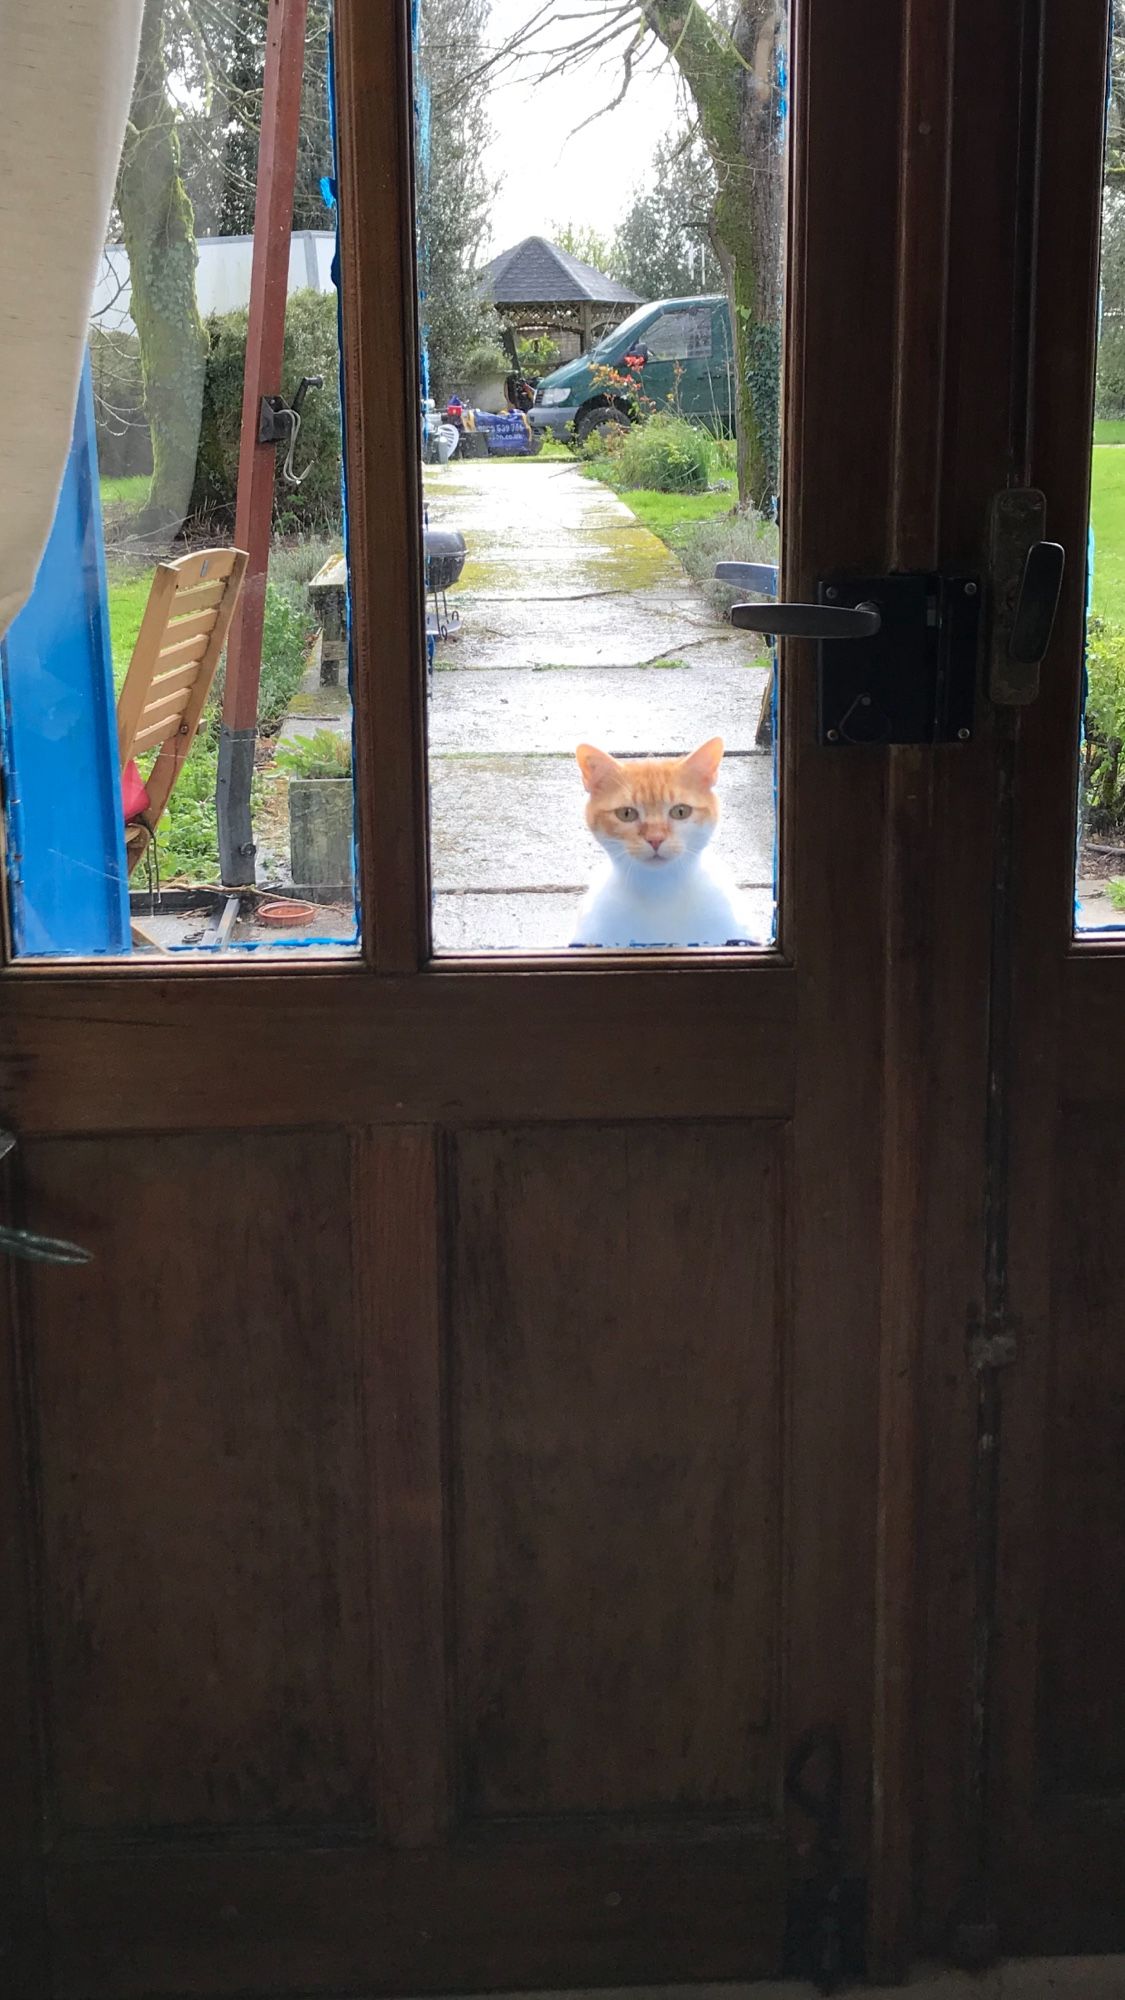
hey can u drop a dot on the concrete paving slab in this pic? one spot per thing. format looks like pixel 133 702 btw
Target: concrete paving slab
pixel 538 920
pixel 561 572
pixel 612 630
pixel 516 823
pixel 630 710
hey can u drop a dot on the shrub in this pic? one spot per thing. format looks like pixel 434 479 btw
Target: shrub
pixel 311 348
pixel 293 566
pixel 322 755
pixel 601 448
pixel 734 537
pixel 538 356
pixel 124 439
pixel 285 642
pixel 1103 764
pixel 666 454
pixel 483 360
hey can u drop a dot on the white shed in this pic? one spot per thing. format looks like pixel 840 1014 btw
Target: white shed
pixel 222 276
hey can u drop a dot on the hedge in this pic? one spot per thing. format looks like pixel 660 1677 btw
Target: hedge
pixel 311 348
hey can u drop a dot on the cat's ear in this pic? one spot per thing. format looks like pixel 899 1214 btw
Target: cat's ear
pixel 599 770
pixel 702 767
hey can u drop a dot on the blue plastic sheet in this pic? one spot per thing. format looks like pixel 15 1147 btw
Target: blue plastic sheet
pixel 67 885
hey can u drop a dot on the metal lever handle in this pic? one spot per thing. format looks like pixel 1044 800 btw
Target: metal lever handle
pixel 1037 603
pixel 810 621
pixel 25 1243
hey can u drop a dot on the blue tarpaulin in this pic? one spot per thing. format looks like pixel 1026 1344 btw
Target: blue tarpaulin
pixel 67 885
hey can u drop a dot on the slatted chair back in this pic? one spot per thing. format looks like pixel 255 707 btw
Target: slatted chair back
pixel 172 672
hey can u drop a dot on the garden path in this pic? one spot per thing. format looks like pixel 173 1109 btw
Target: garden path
pixel 577 623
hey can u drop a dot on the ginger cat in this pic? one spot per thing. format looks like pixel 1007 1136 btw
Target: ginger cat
pixel 654 817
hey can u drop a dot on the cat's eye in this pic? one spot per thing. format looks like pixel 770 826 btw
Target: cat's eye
pixel 679 812
pixel 627 812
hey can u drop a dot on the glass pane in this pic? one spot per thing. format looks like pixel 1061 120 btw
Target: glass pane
pixel 1100 897
pixel 167 789
pixel 599 429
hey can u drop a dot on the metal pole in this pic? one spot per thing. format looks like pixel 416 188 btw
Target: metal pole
pixel 269 284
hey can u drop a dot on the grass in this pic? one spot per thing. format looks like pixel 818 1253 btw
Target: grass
pixel 1107 506
pixel 128 595
pixel 1109 430
pixel 703 529
pixel 130 493
pixel 672 516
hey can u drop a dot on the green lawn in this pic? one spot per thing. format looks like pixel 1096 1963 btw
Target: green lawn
pixel 673 515
pixel 1109 430
pixel 1107 505
pixel 125 492
pixel 128 595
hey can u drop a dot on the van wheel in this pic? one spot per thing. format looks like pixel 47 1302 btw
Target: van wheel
pixel 602 419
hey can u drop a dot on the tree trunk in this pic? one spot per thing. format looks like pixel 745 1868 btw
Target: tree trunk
pixel 159 231
pixel 737 80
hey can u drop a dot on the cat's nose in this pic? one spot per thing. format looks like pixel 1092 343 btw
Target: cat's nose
pixel 656 841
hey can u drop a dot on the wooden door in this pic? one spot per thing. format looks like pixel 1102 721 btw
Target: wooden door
pixel 1053 1772
pixel 509 1400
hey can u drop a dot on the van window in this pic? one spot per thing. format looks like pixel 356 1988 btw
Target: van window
pixel 681 336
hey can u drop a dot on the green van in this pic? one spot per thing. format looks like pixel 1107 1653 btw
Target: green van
pixel 677 350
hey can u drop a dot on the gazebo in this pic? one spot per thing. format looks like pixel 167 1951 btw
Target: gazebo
pixel 538 288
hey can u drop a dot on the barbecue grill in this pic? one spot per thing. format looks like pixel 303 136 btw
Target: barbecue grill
pixel 444 553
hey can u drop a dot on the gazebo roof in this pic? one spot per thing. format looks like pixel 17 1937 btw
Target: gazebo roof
pixel 536 272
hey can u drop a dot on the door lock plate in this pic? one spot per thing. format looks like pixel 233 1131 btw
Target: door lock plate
pixel 912 681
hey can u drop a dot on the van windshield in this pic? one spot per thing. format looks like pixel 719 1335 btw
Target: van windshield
pixel 611 340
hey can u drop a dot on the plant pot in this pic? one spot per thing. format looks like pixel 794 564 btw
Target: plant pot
pixel 285 914
pixel 321 838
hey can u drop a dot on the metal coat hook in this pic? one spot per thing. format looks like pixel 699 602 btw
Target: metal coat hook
pixel 26 1244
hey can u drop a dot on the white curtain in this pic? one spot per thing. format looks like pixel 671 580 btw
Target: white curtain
pixel 66 79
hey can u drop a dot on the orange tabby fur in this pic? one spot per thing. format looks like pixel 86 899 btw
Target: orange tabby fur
pixel 653 785
pixel 653 819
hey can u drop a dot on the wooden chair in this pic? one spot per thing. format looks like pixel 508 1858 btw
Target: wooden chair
pixel 170 676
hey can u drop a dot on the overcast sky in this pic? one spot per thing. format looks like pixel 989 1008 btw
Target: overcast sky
pixel 549 177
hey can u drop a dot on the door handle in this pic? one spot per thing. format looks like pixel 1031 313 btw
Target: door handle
pixel 1036 604
pixel 810 621
pixel 1025 578
pixel 26 1244
pixel 794 621
pixel 914 678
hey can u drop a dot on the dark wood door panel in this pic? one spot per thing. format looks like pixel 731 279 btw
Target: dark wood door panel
pixel 198 1426
pixel 1060 1705
pixel 1056 1772
pixel 615 1439
pixel 337 1046
pixel 1082 1696
pixel 1061 1847
pixel 353 1921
